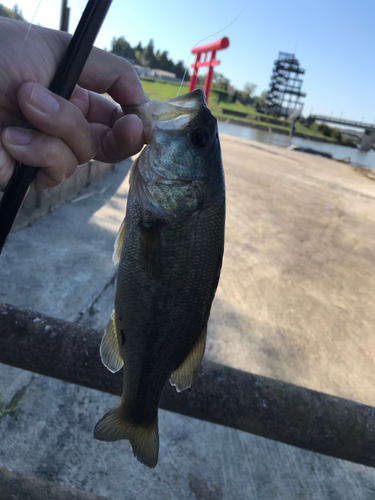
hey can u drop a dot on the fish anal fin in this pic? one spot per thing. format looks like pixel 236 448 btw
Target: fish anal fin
pixel 109 348
pixel 143 440
pixel 119 241
pixel 184 376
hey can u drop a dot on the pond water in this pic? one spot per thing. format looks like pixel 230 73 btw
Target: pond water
pixel 354 155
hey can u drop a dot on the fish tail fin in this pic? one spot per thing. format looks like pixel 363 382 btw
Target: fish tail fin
pixel 143 440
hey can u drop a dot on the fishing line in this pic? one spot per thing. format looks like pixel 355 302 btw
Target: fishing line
pixel 20 52
pixel 203 39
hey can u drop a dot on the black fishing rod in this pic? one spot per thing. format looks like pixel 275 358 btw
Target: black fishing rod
pixel 63 84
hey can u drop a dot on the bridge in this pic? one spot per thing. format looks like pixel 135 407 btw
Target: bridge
pixel 368 138
pixel 341 121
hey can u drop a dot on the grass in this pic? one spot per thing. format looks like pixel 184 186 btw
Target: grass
pixel 161 90
pixel 15 404
pixel 313 133
pixel 231 106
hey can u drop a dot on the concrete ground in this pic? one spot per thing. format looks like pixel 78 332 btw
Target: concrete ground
pixel 294 303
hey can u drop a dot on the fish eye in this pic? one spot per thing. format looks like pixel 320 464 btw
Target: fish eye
pixel 201 138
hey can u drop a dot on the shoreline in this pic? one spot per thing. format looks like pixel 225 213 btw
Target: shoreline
pixel 269 128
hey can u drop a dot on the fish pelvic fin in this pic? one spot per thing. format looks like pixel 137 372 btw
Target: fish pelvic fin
pixel 109 348
pixel 184 376
pixel 119 241
pixel 143 440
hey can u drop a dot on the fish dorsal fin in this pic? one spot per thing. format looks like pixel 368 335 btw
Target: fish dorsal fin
pixel 118 243
pixel 109 348
pixel 144 440
pixel 184 376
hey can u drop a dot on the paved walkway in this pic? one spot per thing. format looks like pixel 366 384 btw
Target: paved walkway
pixel 294 303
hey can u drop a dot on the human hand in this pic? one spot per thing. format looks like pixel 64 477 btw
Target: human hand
pixel 68 133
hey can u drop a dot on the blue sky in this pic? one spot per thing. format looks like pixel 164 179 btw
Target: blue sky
pixel 334 41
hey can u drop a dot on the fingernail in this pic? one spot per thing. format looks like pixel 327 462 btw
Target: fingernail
pixel 17 136
pixel 43 100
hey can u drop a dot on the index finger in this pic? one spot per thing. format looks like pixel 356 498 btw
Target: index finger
pixel 106 72
pixel 96 107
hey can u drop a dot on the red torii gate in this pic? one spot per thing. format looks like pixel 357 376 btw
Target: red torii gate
pixel 213 47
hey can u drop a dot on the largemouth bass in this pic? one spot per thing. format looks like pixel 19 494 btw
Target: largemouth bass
pixel 170 248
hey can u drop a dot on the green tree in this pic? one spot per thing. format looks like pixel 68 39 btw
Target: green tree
pixel 122 48
pixel 140 59
pixel 220 82
pixel 324 129
pixel 310 120
pixel 163 61
pixel 249 88
pixel 336 134
pixel 179 69
pixel 15 13
pixel 234 96
pixel 149 55
pixel 260 101
pixel 350 141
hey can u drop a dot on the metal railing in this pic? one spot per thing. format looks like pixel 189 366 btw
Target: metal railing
pixel 266 407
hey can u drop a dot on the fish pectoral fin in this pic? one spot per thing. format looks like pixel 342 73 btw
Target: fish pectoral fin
pixel 119 241
pixel 150 250
pixel 143 440
pixel 109 348
pixel 184 376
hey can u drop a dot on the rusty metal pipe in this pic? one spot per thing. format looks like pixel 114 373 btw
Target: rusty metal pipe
pixel 269 408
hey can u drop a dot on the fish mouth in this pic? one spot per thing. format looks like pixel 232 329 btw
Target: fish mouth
pixel 169 115
pixel 171 109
